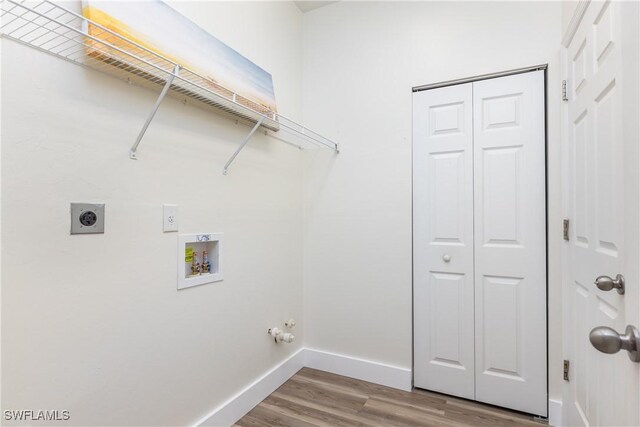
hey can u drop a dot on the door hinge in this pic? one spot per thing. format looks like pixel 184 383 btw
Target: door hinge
pixel 564 91
pixel 565 229
pixel 565 370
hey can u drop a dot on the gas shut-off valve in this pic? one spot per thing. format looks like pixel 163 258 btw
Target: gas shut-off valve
pixel 280 336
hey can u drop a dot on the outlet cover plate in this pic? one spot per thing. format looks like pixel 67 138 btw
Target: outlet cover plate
pixel 169 218
pixel 87 218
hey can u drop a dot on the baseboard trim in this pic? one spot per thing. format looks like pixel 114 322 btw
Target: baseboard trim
pixel 366 370
pixel 555 413
pixel 237 406
pixel 362 369
pixel 240 404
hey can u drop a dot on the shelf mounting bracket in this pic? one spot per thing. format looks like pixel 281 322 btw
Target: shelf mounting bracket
pixel 165 89
pixel 244 142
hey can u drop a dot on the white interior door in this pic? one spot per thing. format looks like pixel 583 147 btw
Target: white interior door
pixel 601 195
pixel 443 240
pixel 510 242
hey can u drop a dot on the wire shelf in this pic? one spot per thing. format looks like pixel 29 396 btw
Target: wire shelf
pixel 56 30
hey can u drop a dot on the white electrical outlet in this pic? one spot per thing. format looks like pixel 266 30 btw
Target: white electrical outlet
pixel 169 218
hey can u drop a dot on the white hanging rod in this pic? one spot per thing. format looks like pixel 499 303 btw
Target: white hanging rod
pixel 56 30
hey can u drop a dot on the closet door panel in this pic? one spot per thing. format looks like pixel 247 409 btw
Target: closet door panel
pixel 510 242
pixel 443 240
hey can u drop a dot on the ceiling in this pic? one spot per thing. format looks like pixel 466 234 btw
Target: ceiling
pixel 309 5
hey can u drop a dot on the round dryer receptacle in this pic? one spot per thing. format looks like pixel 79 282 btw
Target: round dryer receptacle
pixel 88 218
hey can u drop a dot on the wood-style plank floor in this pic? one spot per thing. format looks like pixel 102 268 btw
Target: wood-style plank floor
pixel 316 398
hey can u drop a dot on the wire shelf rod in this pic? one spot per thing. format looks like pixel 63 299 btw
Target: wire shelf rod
pixel 181 78
pixel 105 29
pixel 95 39
pixel 51 28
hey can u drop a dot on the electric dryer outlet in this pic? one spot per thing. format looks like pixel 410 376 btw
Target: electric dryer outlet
pixel 87 218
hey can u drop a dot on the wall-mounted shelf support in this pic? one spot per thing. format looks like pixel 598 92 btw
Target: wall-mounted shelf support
pixel 244 142
pixel 48 27
pixel 165 90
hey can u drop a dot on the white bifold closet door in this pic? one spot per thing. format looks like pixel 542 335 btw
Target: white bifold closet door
pixel 480 241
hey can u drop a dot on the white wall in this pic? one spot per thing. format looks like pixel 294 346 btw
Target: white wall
pixel 93 324
pixel 361 60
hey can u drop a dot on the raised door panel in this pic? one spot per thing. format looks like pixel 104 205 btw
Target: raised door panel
pixel 501 197
pixel 443 240
pixel 447 172
pixel 580 152
pixel 607 151
pixel 446 308
pixel 501 326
